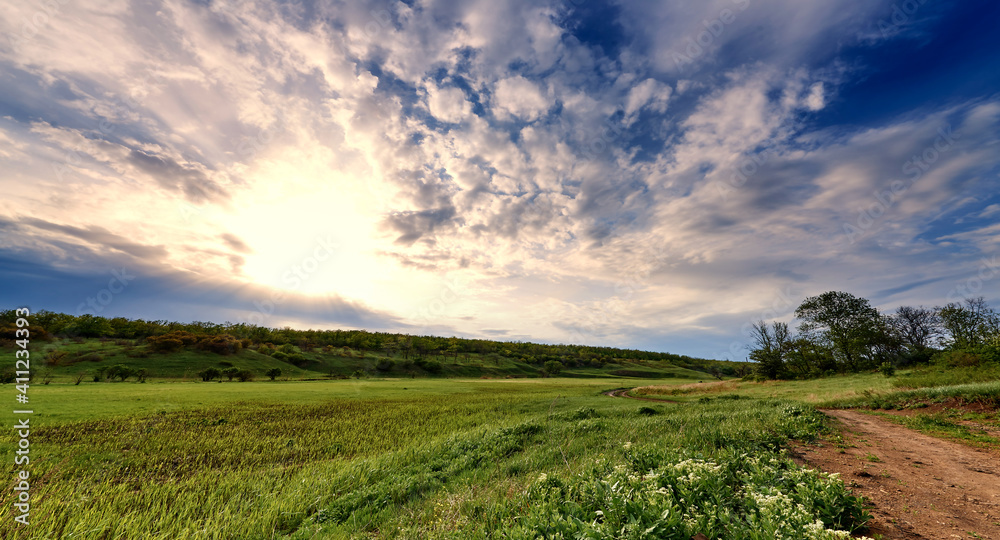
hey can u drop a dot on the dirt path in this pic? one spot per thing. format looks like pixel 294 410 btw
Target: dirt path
pixel 921 487
pixel 623 393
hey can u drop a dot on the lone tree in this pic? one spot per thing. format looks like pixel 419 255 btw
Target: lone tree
pixel 273 373
pixel 772 344
pixel 857 334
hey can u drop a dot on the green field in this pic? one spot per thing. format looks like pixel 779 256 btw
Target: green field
pixel 416 458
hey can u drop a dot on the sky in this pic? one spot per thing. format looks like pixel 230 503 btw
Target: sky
pixel 652 175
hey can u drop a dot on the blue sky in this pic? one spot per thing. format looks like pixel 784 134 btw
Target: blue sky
pixel 642 174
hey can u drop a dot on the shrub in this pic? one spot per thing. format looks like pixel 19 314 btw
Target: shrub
pixel 209 374
pixel 266 349
pixel 231 372
pixel 273 373
pixel 958 358
pixel 298 359
pixel 384 364
pixel 553 367
pixel 887 369
pixel 245 375
pixel 54 358
pixel 278 355
pixel 165 344
pixel 224 344
pixel 119 371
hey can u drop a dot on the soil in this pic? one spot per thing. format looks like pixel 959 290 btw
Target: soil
pixel 918 487
pixel 623 393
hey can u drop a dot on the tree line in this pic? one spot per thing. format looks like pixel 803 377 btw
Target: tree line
pixel 227 338
pixel 842 333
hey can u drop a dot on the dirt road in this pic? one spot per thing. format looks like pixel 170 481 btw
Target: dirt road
pixel 922 487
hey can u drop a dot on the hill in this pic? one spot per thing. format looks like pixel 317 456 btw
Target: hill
pixel 87 347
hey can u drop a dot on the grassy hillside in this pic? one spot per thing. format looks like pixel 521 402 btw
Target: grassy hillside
pixel 64 359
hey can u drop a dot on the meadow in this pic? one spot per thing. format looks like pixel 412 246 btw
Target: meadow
pixel 418 458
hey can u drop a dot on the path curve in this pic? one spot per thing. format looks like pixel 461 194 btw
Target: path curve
pixel 623 393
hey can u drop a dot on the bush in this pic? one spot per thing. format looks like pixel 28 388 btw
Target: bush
pixel 231 372
pixel 298 359
pixel 165 344
pixel 245 375
pixel 119 371
pixel 278 355
pixel 887 369
pixel 209 374
pixel 266 349
pixel 958 358
pixel 55 358
pixel 223 344
pixel 273 373
pixel 553 367
pixel 384 365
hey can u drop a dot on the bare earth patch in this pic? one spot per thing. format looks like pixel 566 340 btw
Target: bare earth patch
pixel 920 486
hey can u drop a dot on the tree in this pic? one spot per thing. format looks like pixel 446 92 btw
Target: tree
pixel 553 368
pixel 231 372
pixel 209 374
pixel 917 327
pixel 969 325
pixel 273 373
pixel 120 371
pixel 857 334
pixel 771 345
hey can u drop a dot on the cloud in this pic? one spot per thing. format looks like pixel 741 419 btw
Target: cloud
pixel 600 172
pixel 521 98
pixel 448 104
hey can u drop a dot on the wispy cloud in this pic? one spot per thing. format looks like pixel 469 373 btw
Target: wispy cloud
pixel 543 154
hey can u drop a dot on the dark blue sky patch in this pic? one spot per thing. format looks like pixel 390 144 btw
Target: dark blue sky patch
pixel 596 23
pixel 951 57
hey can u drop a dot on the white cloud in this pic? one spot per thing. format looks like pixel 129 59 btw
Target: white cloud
pixel 448 104
pixel 521 98
pixel 587 197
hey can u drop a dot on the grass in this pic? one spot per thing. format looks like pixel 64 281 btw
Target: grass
pixel 416 458
pixel 945 426
pixel 983 393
